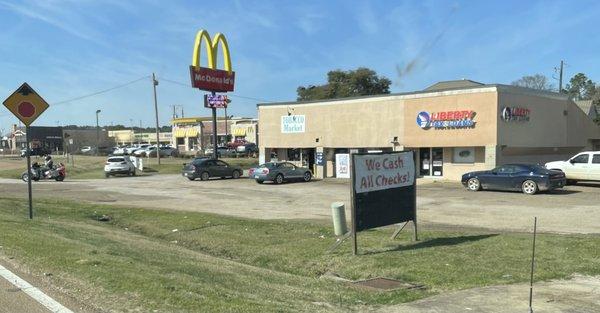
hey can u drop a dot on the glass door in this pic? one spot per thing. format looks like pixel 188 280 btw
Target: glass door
pixel 424 161
pixel 437 157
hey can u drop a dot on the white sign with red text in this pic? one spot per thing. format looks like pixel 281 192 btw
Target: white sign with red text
pixel 383 171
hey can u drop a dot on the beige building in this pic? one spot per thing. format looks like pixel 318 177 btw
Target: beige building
pixel 453 127
pixel 130 137
pixel 195 134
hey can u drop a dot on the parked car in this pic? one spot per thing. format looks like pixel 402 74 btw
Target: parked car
pixel 36 151
pixel 87 150
pixel 119 165
pixel 164 152
pixel 250 149
pixel 584 166
pixel 222 152
pixel 119 151
pixel 205 168
pixel 521 177
pixel 279 172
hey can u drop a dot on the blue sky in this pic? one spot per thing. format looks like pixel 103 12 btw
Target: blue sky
pixel 70 48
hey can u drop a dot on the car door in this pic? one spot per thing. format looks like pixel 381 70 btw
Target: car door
pixel 579 167
pixel 594 172
pixel 222 169
pixel 499 177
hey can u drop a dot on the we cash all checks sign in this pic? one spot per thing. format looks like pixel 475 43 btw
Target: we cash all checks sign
pixel 384 189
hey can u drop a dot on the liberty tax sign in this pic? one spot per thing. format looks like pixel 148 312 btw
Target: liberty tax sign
pixel 384 189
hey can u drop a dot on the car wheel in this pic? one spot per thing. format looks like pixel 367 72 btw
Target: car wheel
pixel 571 182
pixel 529 187
pixel 259 181
pixel 473 184
pixel 307 176
pixel 191 178
pixel 236 174
pixel 133 172
pixel 106 175
pixel 204 176
pixel 278 179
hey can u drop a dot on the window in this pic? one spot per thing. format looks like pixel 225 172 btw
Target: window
pixel 288 166
pixel 596 159
pixel 463 155
pixel 505 169
pixel 582 158
pixel 221 163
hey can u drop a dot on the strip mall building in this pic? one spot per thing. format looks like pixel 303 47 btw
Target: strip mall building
pixel 453 127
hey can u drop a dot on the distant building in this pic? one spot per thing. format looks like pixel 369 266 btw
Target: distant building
pixel 49 137
pixel 130 137
pixel 75 139
pixel 196 133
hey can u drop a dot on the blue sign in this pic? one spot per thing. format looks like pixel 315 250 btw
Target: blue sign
pixel 319 158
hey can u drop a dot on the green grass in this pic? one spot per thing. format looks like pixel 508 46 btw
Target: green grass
pixel 90 167
pixel 223 264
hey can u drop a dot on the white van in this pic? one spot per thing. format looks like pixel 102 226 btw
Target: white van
pixel 584 166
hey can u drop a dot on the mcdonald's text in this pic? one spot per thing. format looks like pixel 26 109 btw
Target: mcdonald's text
pixel 212 79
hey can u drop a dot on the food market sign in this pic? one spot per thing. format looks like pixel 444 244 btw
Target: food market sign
pixel 384 189
pixel 292 124
pixel 446 119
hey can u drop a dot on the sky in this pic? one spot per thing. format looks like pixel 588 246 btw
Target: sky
pixel 66 49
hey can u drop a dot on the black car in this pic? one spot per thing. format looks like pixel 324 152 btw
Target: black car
pixel 36 151
pixel 527 178
pixel 205 168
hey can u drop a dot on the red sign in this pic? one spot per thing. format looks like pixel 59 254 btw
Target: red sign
pixel 212 80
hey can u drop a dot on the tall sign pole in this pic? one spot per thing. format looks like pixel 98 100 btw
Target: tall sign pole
pixel 27 106
pixel 28 151
pixel 154 84
pixel 210 78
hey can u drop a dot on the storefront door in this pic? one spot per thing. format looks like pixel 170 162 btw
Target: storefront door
pixel 431 161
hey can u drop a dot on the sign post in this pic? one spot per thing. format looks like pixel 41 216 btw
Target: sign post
pixel 383 192
pixel 27 106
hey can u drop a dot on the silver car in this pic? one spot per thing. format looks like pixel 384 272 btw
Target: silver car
pixel 279 172
pixel 119 165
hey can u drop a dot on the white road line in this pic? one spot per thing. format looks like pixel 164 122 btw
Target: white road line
pixel 33 292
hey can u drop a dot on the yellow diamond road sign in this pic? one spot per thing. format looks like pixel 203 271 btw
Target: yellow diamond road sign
pixel 26 104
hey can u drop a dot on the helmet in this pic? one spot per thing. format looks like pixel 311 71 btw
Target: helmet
pixel 48 158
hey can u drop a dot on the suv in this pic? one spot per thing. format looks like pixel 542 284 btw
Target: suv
pixel 584 166
pixel 119 165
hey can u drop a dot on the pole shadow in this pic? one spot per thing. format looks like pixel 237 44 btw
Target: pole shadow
pixel 435 242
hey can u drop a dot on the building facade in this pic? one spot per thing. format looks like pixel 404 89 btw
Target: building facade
pixel 453 127
pixel 195 134
pixel 130 137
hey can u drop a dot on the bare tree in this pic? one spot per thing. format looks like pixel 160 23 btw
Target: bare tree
pixel 537 81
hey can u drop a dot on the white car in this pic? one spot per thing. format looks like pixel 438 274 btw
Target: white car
pixel 584 166
pixel 143 150
pixel 119 165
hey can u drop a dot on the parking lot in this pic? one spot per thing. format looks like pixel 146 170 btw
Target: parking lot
pixel 575 209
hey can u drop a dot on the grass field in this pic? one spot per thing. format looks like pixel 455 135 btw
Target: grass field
pixel 146 260
pixel 89 167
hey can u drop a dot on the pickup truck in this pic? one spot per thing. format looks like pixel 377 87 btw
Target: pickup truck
pixel 584 166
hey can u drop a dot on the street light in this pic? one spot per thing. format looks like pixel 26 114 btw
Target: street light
pixel 97 132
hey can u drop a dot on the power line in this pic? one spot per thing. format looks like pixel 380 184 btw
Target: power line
pixel 101 91
pixel 232 95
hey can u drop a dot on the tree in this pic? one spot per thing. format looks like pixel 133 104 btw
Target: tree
pixel 343 84
pixel 537 81
pixel 581 88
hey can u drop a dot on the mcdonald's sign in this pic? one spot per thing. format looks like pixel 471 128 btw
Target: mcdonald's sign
pixel 210 78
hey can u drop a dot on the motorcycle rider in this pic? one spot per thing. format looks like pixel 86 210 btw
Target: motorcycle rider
pixel 49 164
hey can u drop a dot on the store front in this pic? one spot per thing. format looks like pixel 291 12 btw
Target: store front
pixel 451 131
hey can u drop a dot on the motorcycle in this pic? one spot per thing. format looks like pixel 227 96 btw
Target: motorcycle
pixel 38 172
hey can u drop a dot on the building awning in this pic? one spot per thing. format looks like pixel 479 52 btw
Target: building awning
pixel 191 132
pixel 239 132
pixel 179 133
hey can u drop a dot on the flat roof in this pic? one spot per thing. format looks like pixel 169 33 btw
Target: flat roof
pixel 433 93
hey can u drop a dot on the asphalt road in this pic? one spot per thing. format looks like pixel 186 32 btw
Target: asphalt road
pixel 574 209
pixel 14 300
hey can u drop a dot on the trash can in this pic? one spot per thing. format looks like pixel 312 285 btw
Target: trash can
pixel 338 214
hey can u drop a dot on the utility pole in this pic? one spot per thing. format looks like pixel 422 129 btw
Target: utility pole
pixel 97 132
pixel 560 77
pixel 214 120
pixel 154 84
pixel 226 127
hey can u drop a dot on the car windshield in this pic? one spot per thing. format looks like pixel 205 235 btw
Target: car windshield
pixel 116 160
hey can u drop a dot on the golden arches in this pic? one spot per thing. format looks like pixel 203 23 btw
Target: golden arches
pixel 211 47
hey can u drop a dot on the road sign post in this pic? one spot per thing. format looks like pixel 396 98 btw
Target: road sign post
pixel 27 106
